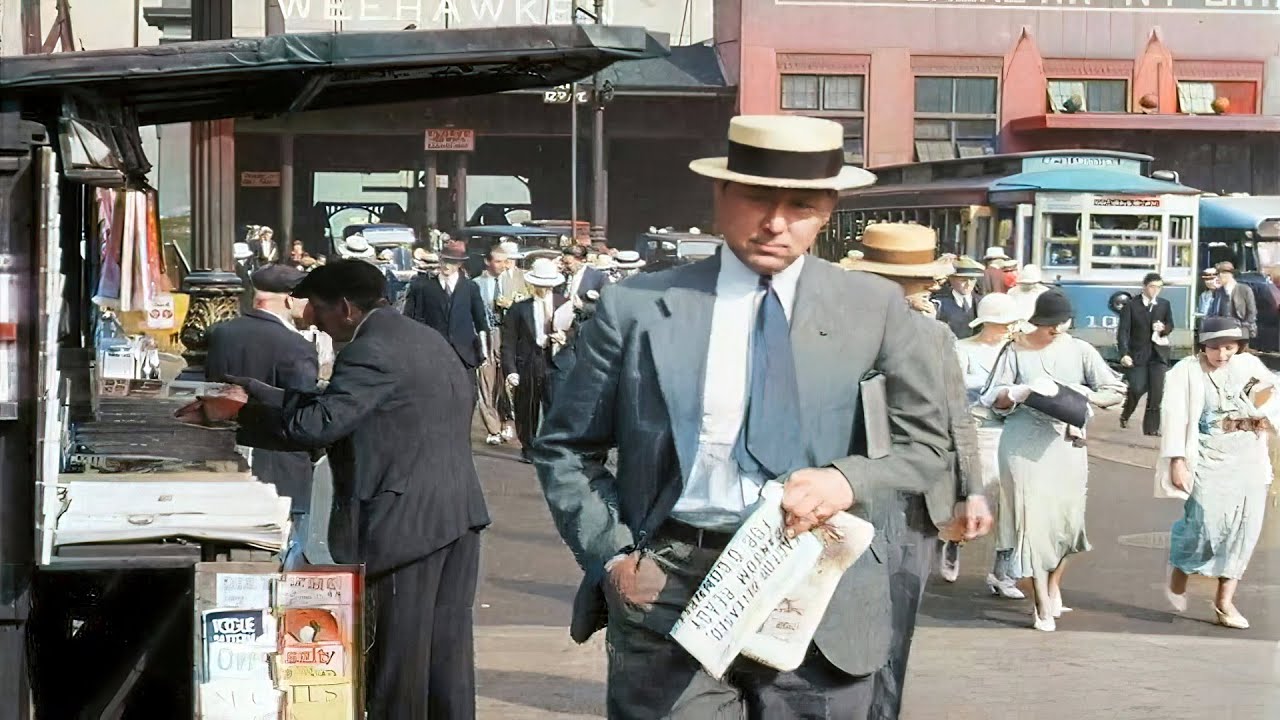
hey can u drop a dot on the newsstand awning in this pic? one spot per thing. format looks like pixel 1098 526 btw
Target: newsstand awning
pixel 265 76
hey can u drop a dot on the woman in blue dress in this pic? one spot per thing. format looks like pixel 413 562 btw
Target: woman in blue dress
pixel 1219 409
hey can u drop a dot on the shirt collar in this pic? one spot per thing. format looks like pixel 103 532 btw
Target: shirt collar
pixel 737 277
pixel 364 320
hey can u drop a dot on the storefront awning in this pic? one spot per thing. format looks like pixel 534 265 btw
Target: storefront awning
pixel 1085 180
pixel 1238 213
pixel 214 79
pixel 1146 123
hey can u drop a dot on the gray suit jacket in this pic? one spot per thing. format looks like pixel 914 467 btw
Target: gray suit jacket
pixel 636 384
pixel 942 496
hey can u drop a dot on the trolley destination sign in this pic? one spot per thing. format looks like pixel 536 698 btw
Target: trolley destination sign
pixel 1271 6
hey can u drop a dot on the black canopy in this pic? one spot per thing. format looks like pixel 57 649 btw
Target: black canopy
pixel 207 80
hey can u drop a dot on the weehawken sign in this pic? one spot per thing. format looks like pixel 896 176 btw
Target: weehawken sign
pixel 436 13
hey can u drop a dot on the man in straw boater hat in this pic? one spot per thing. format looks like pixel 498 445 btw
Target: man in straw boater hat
pixel 529 338
pixel 712 378
pixel 904 254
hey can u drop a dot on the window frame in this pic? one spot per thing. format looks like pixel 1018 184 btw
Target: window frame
pixel 838 115
pixel 1086 81
pixel 953 118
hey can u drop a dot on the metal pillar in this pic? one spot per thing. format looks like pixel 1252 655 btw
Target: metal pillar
pixel 599 179
pixel 460 194
pixel 31 27
pixel 430 165
pixel 275 17
pixel 284 238
pixel 573 146
pixel 213 163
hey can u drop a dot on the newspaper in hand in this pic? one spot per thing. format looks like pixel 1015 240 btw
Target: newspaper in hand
pixel 767 593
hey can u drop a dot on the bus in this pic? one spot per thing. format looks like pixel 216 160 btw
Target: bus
pixel 1095 221
pixel 1245 231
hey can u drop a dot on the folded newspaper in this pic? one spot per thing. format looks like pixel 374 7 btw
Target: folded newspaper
pixel 767 593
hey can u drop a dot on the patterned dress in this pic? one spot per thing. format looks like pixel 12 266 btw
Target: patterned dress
pixel 1222 519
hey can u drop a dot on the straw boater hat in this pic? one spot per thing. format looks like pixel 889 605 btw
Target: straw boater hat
pixel 628 260
pixel 604 262
pixel 425 258
pixel 241 251
pixel 785 151
pixel 900 250
pixel 1030 275
pixel 544 273
pixel 356 247
pixel 995 253
pixel 998 309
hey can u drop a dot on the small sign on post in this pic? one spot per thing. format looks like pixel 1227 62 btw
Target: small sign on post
pixel 560 95
pixel 451 140
pixel 259 179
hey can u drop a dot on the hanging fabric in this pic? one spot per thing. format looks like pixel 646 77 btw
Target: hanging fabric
pixel 110 205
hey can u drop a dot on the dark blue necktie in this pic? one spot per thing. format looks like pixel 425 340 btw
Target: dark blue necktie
pixel 770 441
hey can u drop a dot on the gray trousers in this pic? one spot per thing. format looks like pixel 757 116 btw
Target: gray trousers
pixel 493 406
pixel 652 677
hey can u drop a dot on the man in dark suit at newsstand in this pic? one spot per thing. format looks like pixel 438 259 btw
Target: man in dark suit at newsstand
pixel 396 419
pixel 263 344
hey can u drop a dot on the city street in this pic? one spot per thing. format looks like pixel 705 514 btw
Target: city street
pixel 1120 655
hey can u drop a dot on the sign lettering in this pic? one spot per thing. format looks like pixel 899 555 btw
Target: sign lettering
pixel 250 178
pixel 451 140
pixel 428 14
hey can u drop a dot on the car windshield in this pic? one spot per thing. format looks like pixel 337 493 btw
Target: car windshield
pixel 697 248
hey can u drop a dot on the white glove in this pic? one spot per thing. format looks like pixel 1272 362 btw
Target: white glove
pixel 1019 393
pixel 513 379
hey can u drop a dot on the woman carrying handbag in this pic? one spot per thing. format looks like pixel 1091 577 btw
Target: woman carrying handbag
pixel 1219 410
pixel 1043 384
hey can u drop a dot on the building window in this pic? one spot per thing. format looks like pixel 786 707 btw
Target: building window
pixel 955 117
pixel 1095 96
pixel 1196 98
pixel 835 97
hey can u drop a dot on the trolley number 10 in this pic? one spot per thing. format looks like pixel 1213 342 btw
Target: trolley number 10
pixel 1108 322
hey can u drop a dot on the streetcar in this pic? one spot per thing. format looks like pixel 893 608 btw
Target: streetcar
pixel 1095 221
pixel 1245 231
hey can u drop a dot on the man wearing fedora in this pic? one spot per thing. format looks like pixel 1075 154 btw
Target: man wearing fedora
pixel 1142 338
pixel 958 303
pixel 451 304
pixel 993 276
pixel 903 253
pixel 712 378
pixel 528 339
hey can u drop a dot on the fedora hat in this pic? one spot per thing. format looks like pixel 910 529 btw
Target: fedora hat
pixel 998 309
pixel 967 267
pixel 544 273
pixel 628 260
pixel 900 250
pixel 356 247
pixel 995 253
pixel 454 251
pixel 785 151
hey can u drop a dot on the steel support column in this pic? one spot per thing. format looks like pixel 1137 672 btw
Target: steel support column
pixel 213 158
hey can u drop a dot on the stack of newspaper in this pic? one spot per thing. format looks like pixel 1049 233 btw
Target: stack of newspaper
pixel 766 595
pixel 230 508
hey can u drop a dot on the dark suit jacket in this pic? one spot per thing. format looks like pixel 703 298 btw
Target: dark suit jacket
pixel 257 345
pixel 636 385
pixel 396 417
pixel 520 338
pixel 992 281
pixel 1133 335
pixel 592 279
pixel 956 318
pixel 1241 305
pixel 461 318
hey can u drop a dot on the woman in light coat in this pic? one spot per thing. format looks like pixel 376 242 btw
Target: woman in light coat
pixel 1042 459
pixel 978 355
pixel 1219 409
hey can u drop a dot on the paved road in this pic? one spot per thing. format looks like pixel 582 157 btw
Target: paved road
pixel 1121 655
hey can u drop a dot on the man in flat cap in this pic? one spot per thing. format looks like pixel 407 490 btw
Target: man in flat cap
pixel 396 419
pixel 263 344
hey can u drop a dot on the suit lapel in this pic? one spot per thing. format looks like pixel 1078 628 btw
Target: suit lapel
pixel 678 345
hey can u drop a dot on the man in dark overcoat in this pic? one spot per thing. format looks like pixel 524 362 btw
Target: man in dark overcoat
pixel 396 419
pixel 1142 338
pixel 528 338
pixel 451 304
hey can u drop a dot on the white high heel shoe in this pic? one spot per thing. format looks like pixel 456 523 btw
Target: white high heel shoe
pixel 1005 588
pixel 1176 601
pixel 1232 620
pixel 1043 624
pixel 1058 607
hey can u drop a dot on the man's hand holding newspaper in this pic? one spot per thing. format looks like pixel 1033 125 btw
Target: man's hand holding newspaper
pixel 812 496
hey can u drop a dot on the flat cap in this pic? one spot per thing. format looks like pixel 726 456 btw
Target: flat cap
pixel 277 278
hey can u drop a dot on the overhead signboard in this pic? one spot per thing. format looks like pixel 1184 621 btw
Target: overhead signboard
pixel 1074 162
pixel 559 95
pixel 1154 6
pixel 301 15
pixel 260 179
pixel 451 140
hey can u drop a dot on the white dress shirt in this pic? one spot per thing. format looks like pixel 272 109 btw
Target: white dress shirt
pixel 575 281
pixel 449 282
pixel 542 312
pixel 718 495
pixel 964 302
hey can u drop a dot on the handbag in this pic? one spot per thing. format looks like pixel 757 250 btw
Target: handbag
pixel 1068 405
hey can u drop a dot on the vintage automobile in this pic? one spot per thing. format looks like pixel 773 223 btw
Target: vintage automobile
pixel 662 249
pixel 392 248
pixel 501 214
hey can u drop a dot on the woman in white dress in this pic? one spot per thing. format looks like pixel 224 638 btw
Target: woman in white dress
pixel 1219 409
pixel 978 355
pixel 1043 460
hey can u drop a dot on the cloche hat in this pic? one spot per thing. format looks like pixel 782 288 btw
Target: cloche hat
pixel 997 309
pixel 1220 328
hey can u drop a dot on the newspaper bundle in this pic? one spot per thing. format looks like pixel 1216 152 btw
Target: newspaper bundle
pixel 767 593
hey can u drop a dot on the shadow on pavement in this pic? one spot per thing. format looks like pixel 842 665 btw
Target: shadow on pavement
pixel 552 693
pixel 552 591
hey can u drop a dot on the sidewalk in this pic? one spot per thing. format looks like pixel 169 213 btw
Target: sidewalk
pixel 537 673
